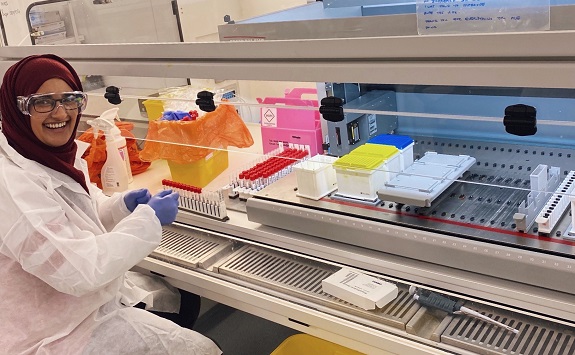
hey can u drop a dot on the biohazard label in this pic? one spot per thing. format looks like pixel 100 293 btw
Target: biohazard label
pixel 269 117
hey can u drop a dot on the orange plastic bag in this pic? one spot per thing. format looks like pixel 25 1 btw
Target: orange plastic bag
pixel 218 129
pixel 96 155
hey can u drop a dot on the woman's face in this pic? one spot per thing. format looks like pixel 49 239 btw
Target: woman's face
pixel 56 127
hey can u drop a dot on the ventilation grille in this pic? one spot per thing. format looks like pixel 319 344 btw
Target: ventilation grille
pixel 190 248
pixel 302 278
pixel 535 337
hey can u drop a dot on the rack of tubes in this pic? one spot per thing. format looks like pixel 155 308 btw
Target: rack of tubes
pixel 193 199
pixel 265 171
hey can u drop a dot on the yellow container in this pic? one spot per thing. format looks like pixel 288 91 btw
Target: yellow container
pixel 360 176
pixel 304 344
pixel 201 172
pixel 359 162
pixel 379 150
pixel 389 153
pixel 154 109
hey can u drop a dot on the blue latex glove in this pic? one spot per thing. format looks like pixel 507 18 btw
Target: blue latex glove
pixel 136 197
pixel 165 204
pixel 180 114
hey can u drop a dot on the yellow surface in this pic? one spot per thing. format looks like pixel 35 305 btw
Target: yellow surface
pixel 358 161
pixel 380 150
pixel 154 109
pixel 304 344
pixel 200 173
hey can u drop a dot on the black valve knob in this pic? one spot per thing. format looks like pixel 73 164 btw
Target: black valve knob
pixel 520 120
pixel 205 101
pixel 332 109
pixel 113 95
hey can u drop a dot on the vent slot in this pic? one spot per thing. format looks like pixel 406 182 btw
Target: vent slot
pixel 190 248
pixel 302 278
pixel 536 337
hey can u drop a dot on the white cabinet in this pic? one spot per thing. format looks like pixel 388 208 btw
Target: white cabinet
pixel 53 23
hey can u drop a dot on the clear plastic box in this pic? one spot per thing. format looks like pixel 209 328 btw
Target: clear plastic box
pixel 316 177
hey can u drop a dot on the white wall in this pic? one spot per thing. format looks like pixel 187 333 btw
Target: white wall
pixel 14 18
pixel 200 18
pixel 253 8
pixel 139 21
pixel 128 21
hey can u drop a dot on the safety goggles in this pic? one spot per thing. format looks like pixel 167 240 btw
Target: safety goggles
pixel 44 103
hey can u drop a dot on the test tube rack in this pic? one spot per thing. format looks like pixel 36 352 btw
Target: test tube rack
pixel 556 205
pixel 193 199
pixel 265 171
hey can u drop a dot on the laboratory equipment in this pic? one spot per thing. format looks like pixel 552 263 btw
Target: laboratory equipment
pixel 432 299
pixel 266 170
pixel 357 128
pixel 271 259
pixel 195 200
pixel 316 177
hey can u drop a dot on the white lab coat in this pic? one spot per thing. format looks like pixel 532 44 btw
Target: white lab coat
pixel 64 260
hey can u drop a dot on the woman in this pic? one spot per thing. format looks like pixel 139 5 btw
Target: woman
pixel 65 248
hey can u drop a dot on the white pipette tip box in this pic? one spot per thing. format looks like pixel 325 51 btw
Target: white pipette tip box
pixel 361 290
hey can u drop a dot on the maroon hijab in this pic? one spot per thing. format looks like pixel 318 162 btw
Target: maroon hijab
pixel 25 78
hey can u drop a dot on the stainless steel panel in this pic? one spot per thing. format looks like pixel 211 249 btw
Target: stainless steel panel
pixel 371 26
pixel 470 226
pixel 301 277
pixel 190 248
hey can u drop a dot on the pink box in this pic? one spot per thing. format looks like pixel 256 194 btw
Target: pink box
pixel 291 126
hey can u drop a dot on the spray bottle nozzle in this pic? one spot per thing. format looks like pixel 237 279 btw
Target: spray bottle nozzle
pixel 106 123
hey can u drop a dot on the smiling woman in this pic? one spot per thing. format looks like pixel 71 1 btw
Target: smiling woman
pixel 65 248
pixel 53 124
pixel 29 137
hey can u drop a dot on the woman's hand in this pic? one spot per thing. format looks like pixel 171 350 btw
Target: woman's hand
pixel 136 197
pixel 165 204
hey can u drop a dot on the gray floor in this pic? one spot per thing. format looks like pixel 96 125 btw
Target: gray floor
pixel 237 332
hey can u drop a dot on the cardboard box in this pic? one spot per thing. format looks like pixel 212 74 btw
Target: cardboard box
pixel 359 289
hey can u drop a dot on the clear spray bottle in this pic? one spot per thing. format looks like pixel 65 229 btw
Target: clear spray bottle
pixel 116 172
